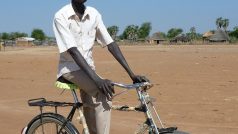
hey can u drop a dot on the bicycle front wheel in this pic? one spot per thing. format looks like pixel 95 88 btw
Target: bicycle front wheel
pixel 50 123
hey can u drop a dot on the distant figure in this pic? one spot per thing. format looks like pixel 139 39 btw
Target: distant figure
pixel 2 46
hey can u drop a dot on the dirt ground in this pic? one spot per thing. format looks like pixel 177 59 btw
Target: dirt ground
pixel 196 86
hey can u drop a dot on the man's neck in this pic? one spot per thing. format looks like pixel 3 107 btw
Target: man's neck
pixel 80 16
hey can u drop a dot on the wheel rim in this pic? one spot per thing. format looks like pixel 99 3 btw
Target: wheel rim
pixel 50 128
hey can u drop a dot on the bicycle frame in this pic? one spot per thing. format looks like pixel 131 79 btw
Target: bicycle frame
pixel 146 106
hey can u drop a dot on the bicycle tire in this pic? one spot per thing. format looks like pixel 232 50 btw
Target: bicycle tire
pixel 41 121
pixel 175 132
pixel 179 132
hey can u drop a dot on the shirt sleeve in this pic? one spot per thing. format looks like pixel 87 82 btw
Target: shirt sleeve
pixel 63 35
pixel 102 35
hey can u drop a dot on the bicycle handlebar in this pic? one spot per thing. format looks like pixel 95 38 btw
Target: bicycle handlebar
pixel 144 85
pixel 133 86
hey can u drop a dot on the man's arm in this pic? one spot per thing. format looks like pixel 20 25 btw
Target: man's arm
pixel 104 85
pixel 116 52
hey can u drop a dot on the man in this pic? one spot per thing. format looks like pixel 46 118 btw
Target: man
pixel 76 27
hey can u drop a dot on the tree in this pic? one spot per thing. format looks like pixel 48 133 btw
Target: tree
pixel 12 35
pixel 225 24
pixel 144 30
pixel 192 30
pixel 131 32
pixel 5 36
pixel 38 34
pixel 163 35
pixel 113 30
pixel 222 23
pixel 15 35
pixel 219 22
pixel 234 33
pixel 235 28
pixel 173 32
pixel 193 33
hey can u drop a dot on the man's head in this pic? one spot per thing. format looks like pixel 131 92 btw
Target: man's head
pixel 79 6
pixel 79 1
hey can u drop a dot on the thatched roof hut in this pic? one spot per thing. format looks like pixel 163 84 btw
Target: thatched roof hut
pixel 157 37
pixel 207 34
pixel 219 36
pixel 181 37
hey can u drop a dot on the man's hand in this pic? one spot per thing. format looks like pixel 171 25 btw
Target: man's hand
pixel 139 79
pixel 106 87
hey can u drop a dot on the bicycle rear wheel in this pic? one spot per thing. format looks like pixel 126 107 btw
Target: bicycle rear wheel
pixel 179 132
pixel 175 132
pixel 50 123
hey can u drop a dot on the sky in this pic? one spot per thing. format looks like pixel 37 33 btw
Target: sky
pixel 25 15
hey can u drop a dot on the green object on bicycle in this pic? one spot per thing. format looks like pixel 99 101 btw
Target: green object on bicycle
pixel 65 86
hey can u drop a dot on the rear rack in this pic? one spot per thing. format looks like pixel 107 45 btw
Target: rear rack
pixel 41 102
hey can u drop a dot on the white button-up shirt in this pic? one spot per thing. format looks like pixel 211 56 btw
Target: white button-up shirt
pixel 70 32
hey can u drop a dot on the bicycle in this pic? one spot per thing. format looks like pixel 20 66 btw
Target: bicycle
pixel 58 124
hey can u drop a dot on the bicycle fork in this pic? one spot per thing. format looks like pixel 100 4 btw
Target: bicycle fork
pixel 150 120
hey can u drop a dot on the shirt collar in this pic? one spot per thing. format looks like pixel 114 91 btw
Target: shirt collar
pixel 71 12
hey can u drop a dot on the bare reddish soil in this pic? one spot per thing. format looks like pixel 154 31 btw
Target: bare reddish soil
pixel 195 86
